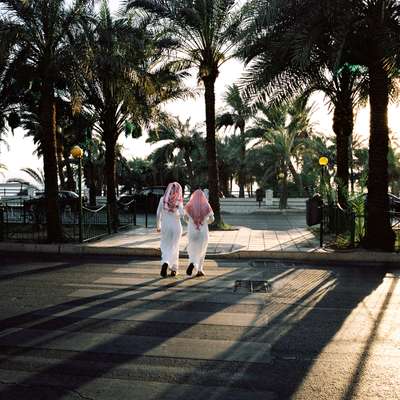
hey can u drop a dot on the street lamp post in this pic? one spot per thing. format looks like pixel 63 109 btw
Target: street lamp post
pixel 281 177
pixel 323 162
pixel 77 154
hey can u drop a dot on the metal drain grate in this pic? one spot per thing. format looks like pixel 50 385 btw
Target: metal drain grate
pixel 252 286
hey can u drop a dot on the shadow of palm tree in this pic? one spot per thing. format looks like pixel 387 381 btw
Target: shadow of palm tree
pixel 303 318
pixel 42 328
pixel 301 312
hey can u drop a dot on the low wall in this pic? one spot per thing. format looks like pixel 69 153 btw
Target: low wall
pixel 236 205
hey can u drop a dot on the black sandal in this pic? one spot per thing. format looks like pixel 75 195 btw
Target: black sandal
pixel 164 269
pixel 190 269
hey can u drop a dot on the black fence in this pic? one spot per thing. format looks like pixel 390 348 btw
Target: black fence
pixel 23 224
pixel 338 221
pixel 346 228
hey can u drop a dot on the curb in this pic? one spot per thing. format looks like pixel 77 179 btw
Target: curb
pixel 357 257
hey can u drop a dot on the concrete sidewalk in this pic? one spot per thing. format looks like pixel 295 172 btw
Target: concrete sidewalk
pixel 259 231
pixel 282 236
pixel 220 242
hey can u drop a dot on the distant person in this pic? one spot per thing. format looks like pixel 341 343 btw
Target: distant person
pixel 169 213
pixel 199 214
pixel 206 193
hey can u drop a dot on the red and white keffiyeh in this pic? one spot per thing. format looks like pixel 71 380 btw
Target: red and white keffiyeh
pixel 172 197
pixel 198 207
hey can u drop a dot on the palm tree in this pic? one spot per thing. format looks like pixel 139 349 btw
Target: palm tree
pixel 206 32
pixel 10 87
pixel 273 74
pixel 125 81
pixel 238 115
pixel 166 170
pixel 36 175
pixel 229 162
pixel 283 130
pixel 179 137
pixel 138 174
pixel 44 31
pixel 93 167
pixel 361 33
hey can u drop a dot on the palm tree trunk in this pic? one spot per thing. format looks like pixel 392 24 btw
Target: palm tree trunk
pixel 60 160
pixel 343 128
pixel 110 172
pixel 379 234
pixel 223 179
pixel 242 177
pixel 92 181
pixel 213 183
pixel 284 192
pixel 48 125
pixel 60 171
pixel 297 178
pixel 70 185
pixel 189 167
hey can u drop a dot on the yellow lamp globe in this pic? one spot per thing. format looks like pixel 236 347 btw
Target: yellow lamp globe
pixel 323 161
pixel 76 152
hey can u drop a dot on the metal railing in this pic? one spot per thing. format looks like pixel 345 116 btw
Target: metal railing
pixel 338 222
pixel 127 214
pixel 24 224
pixel 17 225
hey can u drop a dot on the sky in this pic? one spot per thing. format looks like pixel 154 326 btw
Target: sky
pixel 20 152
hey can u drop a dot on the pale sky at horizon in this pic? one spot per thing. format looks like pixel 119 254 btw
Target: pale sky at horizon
pixel 21 150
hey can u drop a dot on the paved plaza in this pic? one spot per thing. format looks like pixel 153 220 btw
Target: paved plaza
pixel 110 328
pixel 274 231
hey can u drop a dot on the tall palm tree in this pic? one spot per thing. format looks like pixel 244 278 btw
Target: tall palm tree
pixel 44 31
pixel 273 74
pixel 375 44
pixel 238 115
pixel 365 33
pixel 125 81
pixel 178 136
pixel 10 87
pixel 206 31
pixel 284 130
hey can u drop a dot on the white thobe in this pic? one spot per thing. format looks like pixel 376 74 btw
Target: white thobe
pixel 198 241
pixel 171 232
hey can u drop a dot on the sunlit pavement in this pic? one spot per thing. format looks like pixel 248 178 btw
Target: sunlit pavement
pixel 110 328
pixel 251 232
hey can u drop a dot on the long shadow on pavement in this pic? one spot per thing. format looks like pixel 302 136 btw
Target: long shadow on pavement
pixel 296 311
pixel 300 328
pixel 40 334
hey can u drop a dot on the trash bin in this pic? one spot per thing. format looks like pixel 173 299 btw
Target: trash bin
pixel 314 210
